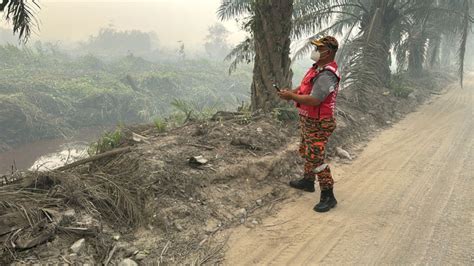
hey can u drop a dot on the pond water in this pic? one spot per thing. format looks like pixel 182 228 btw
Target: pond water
pixel 49 153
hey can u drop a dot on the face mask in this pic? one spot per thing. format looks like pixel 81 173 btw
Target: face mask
pixel 315 55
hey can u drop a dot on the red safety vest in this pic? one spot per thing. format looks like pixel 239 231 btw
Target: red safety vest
pixel 326 108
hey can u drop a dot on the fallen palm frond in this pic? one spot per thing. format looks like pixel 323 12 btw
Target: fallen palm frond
pixel 31 209
pixel 111 197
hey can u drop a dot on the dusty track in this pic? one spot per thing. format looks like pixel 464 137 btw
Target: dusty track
pixel 408 198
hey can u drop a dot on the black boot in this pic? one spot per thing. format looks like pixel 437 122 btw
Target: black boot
pixel 303 184
pixel 326 202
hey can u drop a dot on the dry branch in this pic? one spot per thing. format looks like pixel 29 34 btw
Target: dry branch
pixel 93 158
pixel 202 146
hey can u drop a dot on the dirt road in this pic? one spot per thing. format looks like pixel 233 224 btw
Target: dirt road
pixel 408 198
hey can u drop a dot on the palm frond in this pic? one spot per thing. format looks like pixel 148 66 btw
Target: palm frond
pixel 309 24
pixel 342 55
pixel 21 13
pixel 401 50
pixel 303 7
pixel 234 8
pixel 3 4
pixel 311 15
pixel 303 50
pixel 306 47
pixel 365 58
pixel 244 52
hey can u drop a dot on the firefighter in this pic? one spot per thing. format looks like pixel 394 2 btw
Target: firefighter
pixel 315 99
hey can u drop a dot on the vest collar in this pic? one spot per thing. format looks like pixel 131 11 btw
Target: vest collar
pixel 320 68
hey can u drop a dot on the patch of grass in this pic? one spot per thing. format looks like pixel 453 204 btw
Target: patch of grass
pixel 245 118
pixel 108 141
pixel 191 111
pixel 402 91
pixel 160 124
pixel 244 107
pixel 399 87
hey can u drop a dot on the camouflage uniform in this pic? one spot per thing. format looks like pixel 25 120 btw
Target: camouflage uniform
pixel 314 136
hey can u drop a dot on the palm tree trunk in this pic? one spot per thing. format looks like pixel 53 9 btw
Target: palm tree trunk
pixel 447 54
pixel 271 29
pixel 416 54
pixel 376 50
pixel 464 34
pixel 433 52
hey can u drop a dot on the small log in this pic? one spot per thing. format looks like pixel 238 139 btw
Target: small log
pixel 224 115
pixel 202 146
pixel 93 158
pixel 27 240
pixel 79 230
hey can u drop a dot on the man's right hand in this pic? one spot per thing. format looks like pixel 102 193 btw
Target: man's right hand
pixel 294 90
pixel 286 94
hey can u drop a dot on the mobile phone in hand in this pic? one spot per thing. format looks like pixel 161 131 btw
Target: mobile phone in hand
pixel 276 87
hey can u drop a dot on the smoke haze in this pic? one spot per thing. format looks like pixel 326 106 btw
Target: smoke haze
pixel 172 20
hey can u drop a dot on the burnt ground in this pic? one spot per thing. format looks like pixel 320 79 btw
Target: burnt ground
pixel 150 203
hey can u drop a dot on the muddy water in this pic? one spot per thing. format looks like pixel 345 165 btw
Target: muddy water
pixel 50 153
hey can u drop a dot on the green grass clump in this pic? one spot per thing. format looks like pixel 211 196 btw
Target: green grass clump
pixel 399 87
pixel 108 141
pixel 160 124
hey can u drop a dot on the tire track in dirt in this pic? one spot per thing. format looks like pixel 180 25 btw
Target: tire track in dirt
pixel 406 199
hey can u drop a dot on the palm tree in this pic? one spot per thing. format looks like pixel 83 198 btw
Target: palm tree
pixel 368 28
pixel 21 14
pixel 368 52
pixel 433 32
pixel 410 27
pixel 464 26
pixel 269 23
pixel 372 29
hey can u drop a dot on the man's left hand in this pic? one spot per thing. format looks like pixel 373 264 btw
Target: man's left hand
pixel 286 94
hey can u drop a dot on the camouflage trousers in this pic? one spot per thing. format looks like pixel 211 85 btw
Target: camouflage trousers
pixel 314 136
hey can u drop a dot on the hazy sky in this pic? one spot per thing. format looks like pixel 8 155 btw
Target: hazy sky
pixel 172 20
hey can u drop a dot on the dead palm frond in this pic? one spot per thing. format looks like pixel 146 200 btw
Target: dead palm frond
pixel 106 194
